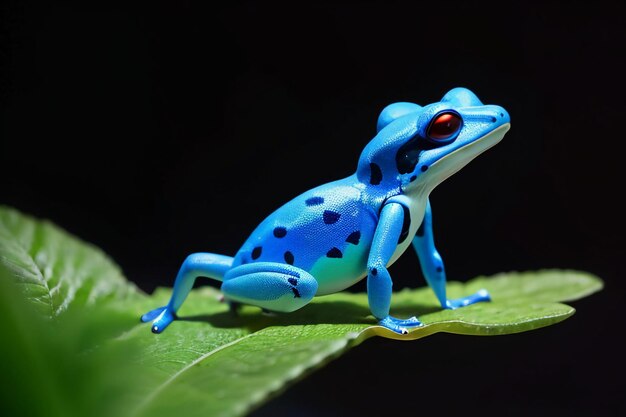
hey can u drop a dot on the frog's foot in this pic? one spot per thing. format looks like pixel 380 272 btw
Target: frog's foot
pixel 480 296
pixel 161 318
pixel 270 285
pixel 400 326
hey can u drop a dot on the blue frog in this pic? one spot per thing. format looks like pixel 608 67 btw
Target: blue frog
pixel 334 235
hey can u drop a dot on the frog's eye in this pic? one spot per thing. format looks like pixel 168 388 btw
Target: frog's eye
pixel 444 126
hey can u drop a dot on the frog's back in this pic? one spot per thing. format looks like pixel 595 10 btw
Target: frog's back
pixel 326 231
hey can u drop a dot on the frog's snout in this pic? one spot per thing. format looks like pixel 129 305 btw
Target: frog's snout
pixel 490 117
pixel 501 116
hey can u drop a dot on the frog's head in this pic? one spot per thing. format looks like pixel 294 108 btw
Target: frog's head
pixel 416 147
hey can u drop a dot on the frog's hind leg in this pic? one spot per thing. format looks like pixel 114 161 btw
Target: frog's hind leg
pixel 432 266
pixel 270 285
pixel 197 265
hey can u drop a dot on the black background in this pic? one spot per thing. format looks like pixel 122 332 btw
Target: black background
pixel 160 130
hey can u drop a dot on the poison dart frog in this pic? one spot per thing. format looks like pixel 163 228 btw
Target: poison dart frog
pixel 336 234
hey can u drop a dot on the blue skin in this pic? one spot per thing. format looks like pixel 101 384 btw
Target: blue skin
pixel 332 236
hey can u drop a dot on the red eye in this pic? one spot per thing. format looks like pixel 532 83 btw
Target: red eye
pixel 444 126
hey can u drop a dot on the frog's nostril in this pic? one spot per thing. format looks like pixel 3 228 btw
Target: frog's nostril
pixel 504 116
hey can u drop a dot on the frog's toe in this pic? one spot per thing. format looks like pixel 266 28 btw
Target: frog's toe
pixel 410 322
pixel 156 329
pixel 163 320
pixel 478 297
pixel 152 314
pixel 399 326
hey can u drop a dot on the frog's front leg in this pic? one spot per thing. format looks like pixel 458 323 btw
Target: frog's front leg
pixel 208 265
pixel 379 284
pixel 433 269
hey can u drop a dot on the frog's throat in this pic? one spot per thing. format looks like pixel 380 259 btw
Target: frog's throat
pixel 454 161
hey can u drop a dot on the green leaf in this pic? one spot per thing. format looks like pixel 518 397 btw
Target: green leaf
pixel 54 269
pixel 23 369
pixel 96 359
pixel 211 363
pixel 64 367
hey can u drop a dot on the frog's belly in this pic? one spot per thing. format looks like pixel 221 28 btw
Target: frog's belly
pixel 336 274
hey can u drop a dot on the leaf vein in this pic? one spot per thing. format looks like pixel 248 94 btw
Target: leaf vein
pixel 199 359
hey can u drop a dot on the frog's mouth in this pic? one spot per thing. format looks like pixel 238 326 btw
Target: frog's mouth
pixel 454 161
